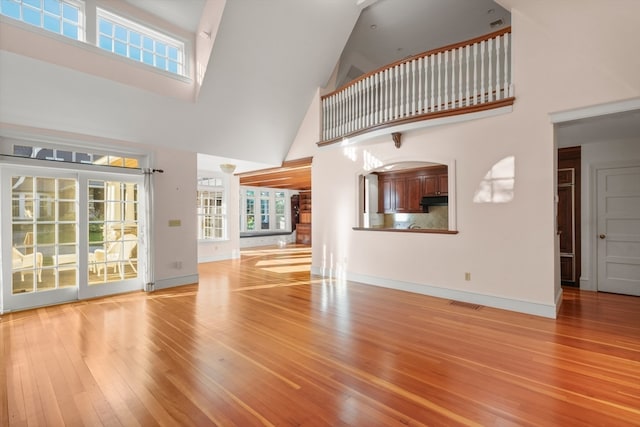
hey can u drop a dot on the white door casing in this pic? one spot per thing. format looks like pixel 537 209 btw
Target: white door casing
pixel 618 229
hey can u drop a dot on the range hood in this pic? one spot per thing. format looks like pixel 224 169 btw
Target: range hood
pixel 427 201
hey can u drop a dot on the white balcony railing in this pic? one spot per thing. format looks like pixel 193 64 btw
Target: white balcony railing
pixel 456 79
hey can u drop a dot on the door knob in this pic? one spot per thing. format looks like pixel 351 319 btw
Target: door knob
pixel 602 236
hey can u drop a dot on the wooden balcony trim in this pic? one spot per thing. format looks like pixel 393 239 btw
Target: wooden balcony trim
pixel 420 55
pixel 421 117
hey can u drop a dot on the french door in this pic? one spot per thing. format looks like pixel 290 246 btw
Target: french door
pixel 68 235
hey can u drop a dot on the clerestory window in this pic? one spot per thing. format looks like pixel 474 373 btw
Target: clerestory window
pixel 139 43
pixel 65 17
pixel 115 33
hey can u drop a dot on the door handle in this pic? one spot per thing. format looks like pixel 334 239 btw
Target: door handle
pixel 602 236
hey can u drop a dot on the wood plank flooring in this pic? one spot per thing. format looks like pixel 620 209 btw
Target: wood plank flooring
pixel 259 343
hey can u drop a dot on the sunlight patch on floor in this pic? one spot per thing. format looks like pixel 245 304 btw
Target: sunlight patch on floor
pixel 289 268
pixel 278 251
pixel 283 261
pixel 278 285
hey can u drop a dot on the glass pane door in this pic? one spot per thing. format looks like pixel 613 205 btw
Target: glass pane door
pixel 70 236
pixel 44 240
pixel 113 230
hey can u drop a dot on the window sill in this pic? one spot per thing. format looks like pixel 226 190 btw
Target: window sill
pixel 408 230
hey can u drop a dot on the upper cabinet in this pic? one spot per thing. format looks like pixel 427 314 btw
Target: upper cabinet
pixel 401 191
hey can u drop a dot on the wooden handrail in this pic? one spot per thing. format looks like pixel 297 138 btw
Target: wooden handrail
pixel 420 55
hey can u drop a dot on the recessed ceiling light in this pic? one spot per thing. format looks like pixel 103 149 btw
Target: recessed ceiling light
pixel 373 26
pixel 490 11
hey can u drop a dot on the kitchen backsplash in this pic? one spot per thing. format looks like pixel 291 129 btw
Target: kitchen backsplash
pixel 436 219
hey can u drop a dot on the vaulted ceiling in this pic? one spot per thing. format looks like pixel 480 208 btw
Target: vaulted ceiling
pixel 267 61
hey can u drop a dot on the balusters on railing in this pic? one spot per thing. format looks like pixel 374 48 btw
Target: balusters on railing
pixel 413 87
pixel 475 74
pixel 439 87
pixel 457 77
pixel 460 77
pixel 419 92
pixel 490 69
pixel 376 99
pixel 366 101
pixel 507 91
pixel 407 91
pixel 453 80
pixel 370 97
pixel 433 79
pixel 498 95
pixel 425 96
pixel 403 80
pixel 482 71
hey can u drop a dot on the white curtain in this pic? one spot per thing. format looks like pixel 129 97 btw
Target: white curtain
pixel 147 236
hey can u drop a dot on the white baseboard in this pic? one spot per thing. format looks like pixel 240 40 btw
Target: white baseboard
pixel 222 257
pixel 537 309
pixel 176 281
pixel 251 242
pixel 558 301
pixel 586 284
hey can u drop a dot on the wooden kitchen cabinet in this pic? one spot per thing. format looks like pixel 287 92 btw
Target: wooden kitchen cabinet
pixel 415 191
pixel 436 185
pixel 386 195
pixel 443 183
pixel 401 191
pixel 392 194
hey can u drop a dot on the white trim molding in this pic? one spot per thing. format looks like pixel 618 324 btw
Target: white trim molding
pixel 527 307
pixel 595 110
pixel 176 281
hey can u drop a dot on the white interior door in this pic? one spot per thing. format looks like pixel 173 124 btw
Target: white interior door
pixel 618 220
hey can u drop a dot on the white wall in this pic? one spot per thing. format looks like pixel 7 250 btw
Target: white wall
pixel 561 60
pixel 174 199
pixel 594 156
pixel 308 131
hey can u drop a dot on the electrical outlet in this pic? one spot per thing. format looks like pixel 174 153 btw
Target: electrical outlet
pixel 467 276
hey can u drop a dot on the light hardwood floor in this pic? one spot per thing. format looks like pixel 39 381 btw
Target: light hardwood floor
pixel 257 342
